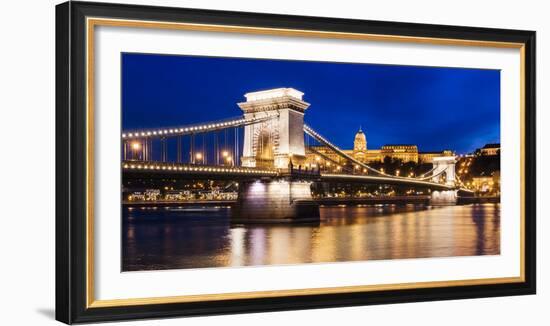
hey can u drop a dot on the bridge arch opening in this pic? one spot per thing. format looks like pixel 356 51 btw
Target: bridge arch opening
pixel 444 170
pixel 443 177
pixel 265 148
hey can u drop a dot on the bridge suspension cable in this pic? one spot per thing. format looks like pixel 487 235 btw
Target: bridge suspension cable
pixel 428 172
pixel 325 157
pixel 308 130
pixel 196 129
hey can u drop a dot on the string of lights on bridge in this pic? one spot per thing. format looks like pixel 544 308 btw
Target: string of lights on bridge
pixel 195 168
pixel 202 128
pixel 213 170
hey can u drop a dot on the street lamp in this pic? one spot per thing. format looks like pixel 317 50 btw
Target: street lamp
pixel 198 157
pixel 136 146
pixel 224 156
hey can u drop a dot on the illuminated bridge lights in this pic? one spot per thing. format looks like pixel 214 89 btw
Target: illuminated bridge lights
pixel 203 169
pixel 381 176
pixel 183 168
pixel 192 129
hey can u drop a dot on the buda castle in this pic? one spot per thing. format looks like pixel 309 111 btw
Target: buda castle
pixel 360 152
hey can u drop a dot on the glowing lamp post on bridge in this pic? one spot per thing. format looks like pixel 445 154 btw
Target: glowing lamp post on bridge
pixel 199 158
pixel 136 148
pixel 227 159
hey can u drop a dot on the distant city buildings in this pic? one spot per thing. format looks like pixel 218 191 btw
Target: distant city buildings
pixel 489 150
pixel 360 152
pixel 481 172
pixel 487 184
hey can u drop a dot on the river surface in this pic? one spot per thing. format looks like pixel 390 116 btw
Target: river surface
pixel 194 237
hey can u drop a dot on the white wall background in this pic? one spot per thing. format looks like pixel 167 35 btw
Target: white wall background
pixel 27 73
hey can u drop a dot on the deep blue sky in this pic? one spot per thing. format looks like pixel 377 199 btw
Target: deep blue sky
pixel 435 108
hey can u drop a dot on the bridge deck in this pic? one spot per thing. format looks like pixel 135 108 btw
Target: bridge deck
pixel 383 180
pixel 137 168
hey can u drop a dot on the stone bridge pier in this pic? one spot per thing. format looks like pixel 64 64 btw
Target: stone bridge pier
pixel 443 197
pixel 275 200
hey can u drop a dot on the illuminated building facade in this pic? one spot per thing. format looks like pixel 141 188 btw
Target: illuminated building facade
pixel 405 153
pixel 489 150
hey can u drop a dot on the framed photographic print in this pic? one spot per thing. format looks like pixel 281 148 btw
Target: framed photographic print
pixel 222 162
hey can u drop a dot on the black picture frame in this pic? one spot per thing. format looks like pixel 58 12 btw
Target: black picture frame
pixel 71 157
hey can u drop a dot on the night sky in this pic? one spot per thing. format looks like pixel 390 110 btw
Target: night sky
pixel 434 108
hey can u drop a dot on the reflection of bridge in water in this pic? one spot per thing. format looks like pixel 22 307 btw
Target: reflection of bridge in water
pixel 265 150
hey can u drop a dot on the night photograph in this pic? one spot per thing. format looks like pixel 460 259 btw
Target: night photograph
pixel 230 162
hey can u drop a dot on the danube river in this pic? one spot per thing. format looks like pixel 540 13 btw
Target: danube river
pixel 194 237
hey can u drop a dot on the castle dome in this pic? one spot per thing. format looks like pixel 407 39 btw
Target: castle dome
pixel 360 142
pixel 360 136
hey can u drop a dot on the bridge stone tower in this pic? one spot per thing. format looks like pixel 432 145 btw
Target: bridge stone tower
pixel 275 142
pixel 444 166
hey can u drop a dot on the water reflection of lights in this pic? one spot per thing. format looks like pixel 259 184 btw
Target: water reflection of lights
pixel 237 246
pixel 257 187
pixel 257 239
pixel 344 234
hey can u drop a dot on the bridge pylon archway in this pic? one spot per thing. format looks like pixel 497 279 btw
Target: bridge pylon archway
pixel 283 132
pixel 444 165
pixel 444 171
